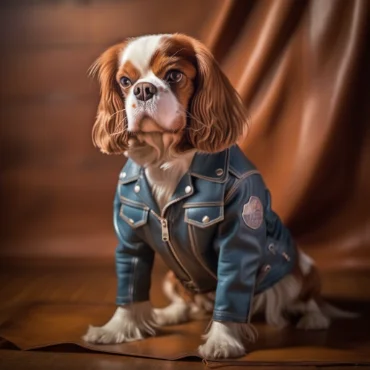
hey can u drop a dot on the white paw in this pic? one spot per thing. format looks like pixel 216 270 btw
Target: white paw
pixel 313 321
pixel 224 340
pixel 221 348
pixel 129 323
pixel 104 335
pixel 175 313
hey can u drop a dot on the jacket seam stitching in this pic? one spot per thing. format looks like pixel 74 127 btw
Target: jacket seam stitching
pixel 204 225
pixel 192 244
pixel 238 182
pixel 132 280
pixel 222 313
pixel 133 203
pixel 137 224
pixel 203 204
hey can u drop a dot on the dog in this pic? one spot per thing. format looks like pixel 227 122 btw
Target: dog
pixel 188 193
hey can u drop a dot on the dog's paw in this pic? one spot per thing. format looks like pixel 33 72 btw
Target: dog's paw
pixel 128 324
pixel 113 335
pixel 104 335
pixel 313 321
pixel 215 348
pixel 225 340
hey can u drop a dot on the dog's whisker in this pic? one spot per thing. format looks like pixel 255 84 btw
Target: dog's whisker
pixel 119 111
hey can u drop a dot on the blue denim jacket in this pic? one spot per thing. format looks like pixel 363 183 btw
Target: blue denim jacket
pixel 217 232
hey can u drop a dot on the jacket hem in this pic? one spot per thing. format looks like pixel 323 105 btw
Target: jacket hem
pixel 229 316
pixel 127 300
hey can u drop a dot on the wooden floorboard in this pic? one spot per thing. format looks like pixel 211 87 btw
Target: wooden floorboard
pixel 24 282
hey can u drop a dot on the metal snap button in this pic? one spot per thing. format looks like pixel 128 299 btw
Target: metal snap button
pixel 272 248
pixel 188 189
pixel 219 172
pixel 131 221
pixel 137 188
pixel 205 219
pixel 123 175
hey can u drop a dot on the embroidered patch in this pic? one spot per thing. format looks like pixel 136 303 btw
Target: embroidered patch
pixel 253 213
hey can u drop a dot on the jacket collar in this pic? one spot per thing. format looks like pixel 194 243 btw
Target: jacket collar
pixel 130 172
pixel 211 167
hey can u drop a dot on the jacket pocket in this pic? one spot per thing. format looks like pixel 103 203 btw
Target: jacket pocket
pixel 203 216
pixel 133 215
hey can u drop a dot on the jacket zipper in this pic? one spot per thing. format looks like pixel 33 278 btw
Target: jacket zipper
pixel 165 234
pixel 166 238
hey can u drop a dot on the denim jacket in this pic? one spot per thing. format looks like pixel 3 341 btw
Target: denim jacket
pixel 217 232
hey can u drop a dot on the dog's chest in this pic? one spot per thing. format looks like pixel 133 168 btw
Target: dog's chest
pixel 163 182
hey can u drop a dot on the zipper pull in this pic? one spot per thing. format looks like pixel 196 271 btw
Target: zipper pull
pixel 164 230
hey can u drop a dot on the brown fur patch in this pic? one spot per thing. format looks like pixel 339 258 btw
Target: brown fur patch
pixel 109 133
pixel 174 54
pixel 217 114
pixel 311 282
pixel 128 70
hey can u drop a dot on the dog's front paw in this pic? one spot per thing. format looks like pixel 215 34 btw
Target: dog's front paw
pixel 106 335
pixel 224 340
pixel 128 324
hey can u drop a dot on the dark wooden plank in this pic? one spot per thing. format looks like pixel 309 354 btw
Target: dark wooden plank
pixel 47 360
pixel 23 282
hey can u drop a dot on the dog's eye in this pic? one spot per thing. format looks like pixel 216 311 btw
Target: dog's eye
pixel 125 82
pixel 173 76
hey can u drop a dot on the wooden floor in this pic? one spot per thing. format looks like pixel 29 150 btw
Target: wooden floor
pixel 72 281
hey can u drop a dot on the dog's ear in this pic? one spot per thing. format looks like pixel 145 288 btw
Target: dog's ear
pixel 109 132
pixel 218 117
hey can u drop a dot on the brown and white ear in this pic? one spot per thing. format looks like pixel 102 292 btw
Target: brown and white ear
pixel 218 116
pixel 109 132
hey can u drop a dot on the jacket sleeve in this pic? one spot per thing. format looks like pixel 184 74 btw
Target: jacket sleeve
pixel 134 261
pixel 239 249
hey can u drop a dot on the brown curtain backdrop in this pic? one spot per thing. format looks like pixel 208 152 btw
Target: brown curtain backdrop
pixel 301 67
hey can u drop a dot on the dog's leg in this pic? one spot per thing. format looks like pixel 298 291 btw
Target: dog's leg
pixel 227 339
pixel 129 323
pixel 175 313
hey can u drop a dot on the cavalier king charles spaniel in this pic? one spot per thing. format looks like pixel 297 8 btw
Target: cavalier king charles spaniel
pixel 164 98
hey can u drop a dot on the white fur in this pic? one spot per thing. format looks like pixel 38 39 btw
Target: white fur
pixel 312 317
pixel 164 180
pixel 129 323
pixel 226 339
pixel 140 50
pixel 173 314
pixel 164 108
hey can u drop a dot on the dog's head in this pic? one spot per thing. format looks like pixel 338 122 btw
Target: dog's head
pixel 165 84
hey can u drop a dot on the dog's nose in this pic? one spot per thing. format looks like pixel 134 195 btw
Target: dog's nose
pixel 144 91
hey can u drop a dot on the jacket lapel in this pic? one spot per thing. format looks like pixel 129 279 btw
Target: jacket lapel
pixel 145 193
pixel 207 167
